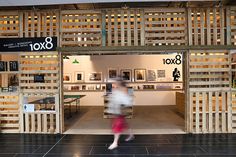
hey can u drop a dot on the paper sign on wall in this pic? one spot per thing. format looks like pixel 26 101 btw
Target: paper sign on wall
pixel 28 108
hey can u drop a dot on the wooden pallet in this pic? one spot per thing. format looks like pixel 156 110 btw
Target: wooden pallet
pixel 9 24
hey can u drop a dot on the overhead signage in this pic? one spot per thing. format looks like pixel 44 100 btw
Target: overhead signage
pixel 177 60
pixel 28 44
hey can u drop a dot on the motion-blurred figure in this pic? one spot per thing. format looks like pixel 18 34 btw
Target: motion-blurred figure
pixel 118 100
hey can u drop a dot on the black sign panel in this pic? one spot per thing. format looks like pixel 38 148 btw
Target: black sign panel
pixel 39 78
pixel 3 66
pixel 13 66
pixel 28 44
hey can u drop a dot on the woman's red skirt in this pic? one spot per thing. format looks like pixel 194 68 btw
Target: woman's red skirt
pixel 119 124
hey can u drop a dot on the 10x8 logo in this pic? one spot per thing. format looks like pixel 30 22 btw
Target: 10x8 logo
pixel 176 60
pixel 46 45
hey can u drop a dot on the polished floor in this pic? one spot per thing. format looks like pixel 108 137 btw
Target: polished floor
pixel 167 145
pixel 145 120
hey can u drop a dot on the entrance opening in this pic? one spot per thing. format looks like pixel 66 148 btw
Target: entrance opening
pixel 156 82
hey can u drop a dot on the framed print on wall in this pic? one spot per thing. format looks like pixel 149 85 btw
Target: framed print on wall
pixel 66 77
pixel 126 74
pixel 161 73
pixel 151 75
pixel 95 76
pixel 139 75
pixel 112 73
pixel 79 76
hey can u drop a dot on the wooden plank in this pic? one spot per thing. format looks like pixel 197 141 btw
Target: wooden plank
pixel 109 35
pixel 44 15
pixel 228 25
pixel 129 28
pixel 32 122
pixel 210 70
pixel 45 123
pixel 195 27
pixel 26 25
pixel 21 22
pixel 191 112
pixel 135 28
pixel 209 89
pixel 51 123
pixel 153 35
pixel 57 109
pixel 81 30
pixel 116 28
pixel 209 83
pixel 229 113
pixel 27 123
pixel 32 24
pixel 197 119
pixel 217 117
pixel 208 26
pixel 39 123
pixel 202 27
pixel 75 12
pixel 51 24
pixel 210 118
pixel 214 27
pixel 103 29
pixel 222 26
pixel 38 24
pixel 58 24
pixel 223 122
pixel 142 34
pixel 165 28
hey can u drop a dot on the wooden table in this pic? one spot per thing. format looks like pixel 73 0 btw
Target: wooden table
pixel 69 99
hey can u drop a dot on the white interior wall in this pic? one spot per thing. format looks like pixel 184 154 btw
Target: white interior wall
pixel 88 64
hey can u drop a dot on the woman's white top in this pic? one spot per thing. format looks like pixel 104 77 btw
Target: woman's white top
pixel 117 99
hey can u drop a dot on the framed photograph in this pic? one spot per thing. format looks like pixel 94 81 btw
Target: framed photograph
pixel 151 75
pixel 66 77
pixel 79 76
pixel 126 74
pixel 95 76
pixel 13 65
pixel 139 75
pixel 112 73
pixel 3 66
pixel 161 73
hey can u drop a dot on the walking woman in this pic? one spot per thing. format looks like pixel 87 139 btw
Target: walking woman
pixel 118 100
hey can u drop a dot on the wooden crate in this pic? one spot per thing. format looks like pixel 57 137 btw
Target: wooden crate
pixel 125 27
pixel 81 28
pixel 207 26
pixel 39 23
pixel 9 24
pixel 209 97
pixel 9 113
pixel 165 26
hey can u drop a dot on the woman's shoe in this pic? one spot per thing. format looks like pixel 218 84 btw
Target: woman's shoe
pixel 129 138
pixel 112 146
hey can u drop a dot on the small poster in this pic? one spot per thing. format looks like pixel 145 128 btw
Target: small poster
pixel 3 66
pixel 28 108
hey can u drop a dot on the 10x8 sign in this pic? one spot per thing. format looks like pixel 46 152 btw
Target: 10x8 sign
pixel 177 60
pixel 28 44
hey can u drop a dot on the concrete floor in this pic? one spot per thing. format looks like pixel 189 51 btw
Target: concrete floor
pixel 146 120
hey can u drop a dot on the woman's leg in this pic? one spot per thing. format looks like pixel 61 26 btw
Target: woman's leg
pixel 115 142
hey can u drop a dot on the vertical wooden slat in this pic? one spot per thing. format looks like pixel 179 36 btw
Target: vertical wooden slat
pixel 202 27
pixel 51 24
pixel 214 27
pixel 32 123
pixel 129 29
pixel 208 26
pixel 197 113
pixel 44 24
pixel 204 112
pixel 210 113
pixel 58 23
pixel 116 28
pixel 191 112
pixel 142 34
pixel 222 26
pixel 51 122
pixel 103 28
pixel 57 104
pixel 190 36
pixel 228 25
pixel 38 24
pixel 195 28
pixel 27 123
pixel 223 112
pixel 122 28
pixel 21 22
pixel 217 112
pixel 39 122
pixel 109 35
pixel 229 112
pixel 26 24
pixel 32 24
pixel 45 123
pixel 21 114
pixel 135 28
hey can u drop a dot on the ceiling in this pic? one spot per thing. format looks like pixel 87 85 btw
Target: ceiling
pixel 100 4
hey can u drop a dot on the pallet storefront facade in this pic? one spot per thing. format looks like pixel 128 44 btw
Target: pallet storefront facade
pixel 210 102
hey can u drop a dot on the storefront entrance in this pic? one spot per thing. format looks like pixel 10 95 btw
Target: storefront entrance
pixel 156 82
